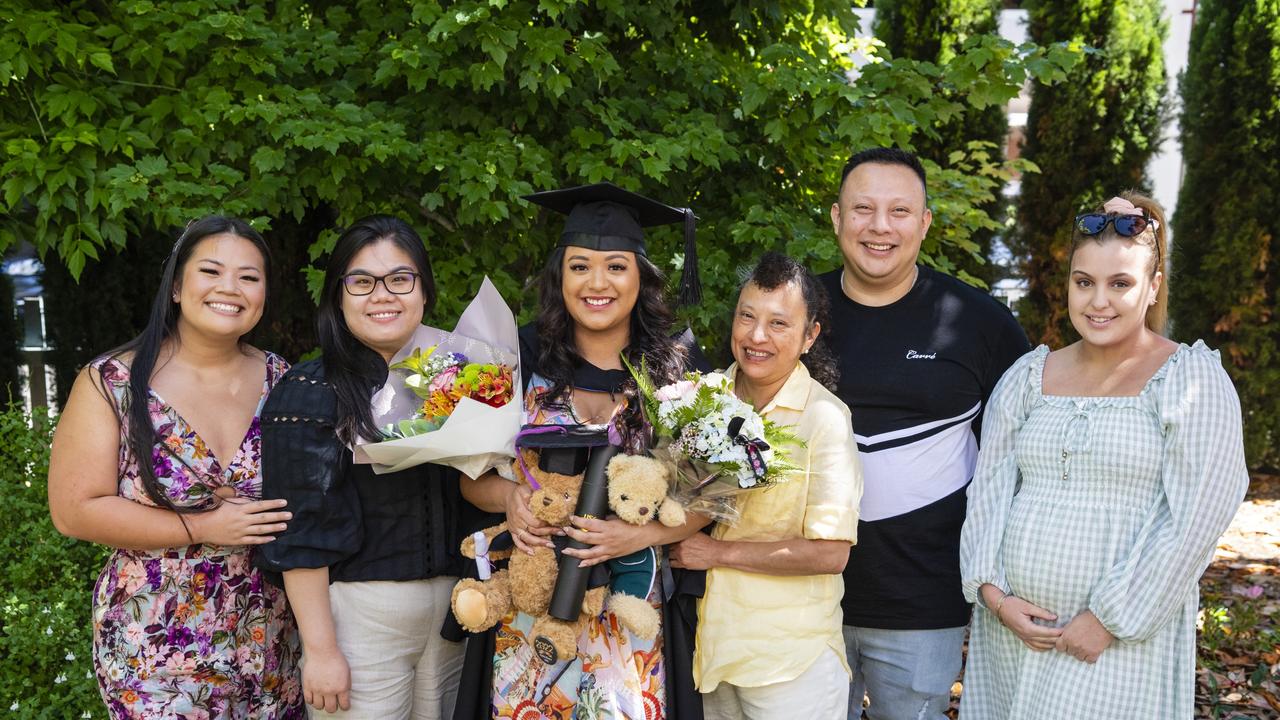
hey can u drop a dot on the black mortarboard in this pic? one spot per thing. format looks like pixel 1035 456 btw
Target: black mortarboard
pixel 603 216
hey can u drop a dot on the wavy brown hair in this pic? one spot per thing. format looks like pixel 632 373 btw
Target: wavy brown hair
pixel 650 341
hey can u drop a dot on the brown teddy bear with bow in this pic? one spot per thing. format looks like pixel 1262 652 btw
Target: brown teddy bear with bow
pixel 529 580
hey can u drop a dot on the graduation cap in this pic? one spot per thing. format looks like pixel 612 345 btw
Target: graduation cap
pixel 603 216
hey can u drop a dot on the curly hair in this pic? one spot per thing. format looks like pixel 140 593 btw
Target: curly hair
pixel 650 341
pixel 774 270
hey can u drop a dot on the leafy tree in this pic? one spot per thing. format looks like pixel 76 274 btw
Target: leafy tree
pixel 1091 137
pixel 121 122
pixel 1226 254
pixel 935 31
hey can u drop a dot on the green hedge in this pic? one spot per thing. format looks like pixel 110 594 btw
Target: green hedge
pixel 1226 230
pixel 46 583
pixel 1091 137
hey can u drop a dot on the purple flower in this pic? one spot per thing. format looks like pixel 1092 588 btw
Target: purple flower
pixel 179 636
pixel 153 573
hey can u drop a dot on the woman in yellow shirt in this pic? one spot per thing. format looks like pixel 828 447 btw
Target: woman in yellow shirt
pixel 769 643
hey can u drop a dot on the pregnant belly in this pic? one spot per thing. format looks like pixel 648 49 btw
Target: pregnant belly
pixel 1056 554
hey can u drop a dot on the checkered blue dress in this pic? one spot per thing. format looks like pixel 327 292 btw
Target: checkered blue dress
pixel 1108 504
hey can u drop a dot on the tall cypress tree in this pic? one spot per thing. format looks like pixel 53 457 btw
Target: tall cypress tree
pixel 1091 136
pixel 934 31
pixel 1226 255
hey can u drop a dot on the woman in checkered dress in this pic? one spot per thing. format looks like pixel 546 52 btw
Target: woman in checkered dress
pixel 1108 470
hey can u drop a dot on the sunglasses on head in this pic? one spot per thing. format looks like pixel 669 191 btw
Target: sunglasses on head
pixel 1125 225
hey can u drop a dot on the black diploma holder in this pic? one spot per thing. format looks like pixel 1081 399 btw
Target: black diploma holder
pixel 571 450
pixel 593 502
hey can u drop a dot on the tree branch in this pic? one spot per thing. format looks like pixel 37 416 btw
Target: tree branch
pixel 35 113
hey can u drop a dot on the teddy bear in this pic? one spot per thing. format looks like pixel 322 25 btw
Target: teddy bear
pixel 638 494
pixel 529 580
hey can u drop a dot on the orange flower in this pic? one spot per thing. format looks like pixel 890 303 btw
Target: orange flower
pixel 259 634
pixel 129 697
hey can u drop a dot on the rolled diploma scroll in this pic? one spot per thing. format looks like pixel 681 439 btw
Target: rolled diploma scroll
pixel 482 554
pixel 593 502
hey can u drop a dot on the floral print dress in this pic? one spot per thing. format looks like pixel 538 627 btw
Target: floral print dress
pixel 615 675
pixel 192 632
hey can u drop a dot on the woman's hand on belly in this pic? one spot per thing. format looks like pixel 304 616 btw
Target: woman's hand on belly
pixel 1084 638
pixel 1019 616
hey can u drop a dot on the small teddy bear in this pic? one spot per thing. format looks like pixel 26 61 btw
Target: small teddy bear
pixel 637 494
pixel 529 580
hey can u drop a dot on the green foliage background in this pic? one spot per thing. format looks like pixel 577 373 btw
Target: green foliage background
pixel 1091 137
pixel 122 122
pixel 46 585
pixel 935 31
pixel 1226 254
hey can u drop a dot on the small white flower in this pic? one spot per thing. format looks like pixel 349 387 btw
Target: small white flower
pixel 61 678
pixel 14 706
pixel 71 657
pixel 48 630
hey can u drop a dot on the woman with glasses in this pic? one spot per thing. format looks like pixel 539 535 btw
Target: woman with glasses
pixel 1108 470
pixel 368 560
pixel 157 455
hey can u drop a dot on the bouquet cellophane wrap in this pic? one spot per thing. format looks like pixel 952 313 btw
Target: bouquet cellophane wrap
pixel 701 487
pixel 476 437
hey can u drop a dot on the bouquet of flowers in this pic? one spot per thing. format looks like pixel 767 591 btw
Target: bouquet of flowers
pixel 448 397
pixel 719 444
pixel 442 380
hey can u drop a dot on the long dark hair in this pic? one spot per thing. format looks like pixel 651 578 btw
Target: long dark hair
pixel 354 369
pixel 649 339
pixel 775 270
pixel 142 439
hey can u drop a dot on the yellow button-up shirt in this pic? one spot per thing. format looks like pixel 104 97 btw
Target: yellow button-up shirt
pixel 756 629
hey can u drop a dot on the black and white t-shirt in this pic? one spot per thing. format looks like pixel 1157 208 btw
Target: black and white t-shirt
pixel 916 375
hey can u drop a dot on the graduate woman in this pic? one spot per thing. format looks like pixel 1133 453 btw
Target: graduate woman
pixel 601 299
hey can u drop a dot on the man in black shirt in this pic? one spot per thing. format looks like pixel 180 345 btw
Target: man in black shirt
pixel 919 354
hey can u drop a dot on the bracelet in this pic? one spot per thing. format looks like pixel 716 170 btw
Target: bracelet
pixel 1000 604
pixel 185 527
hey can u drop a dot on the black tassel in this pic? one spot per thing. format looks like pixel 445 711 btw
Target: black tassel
pixel 690 286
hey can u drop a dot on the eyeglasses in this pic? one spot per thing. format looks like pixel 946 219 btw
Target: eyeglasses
pixel 1125 225
pixel 396 283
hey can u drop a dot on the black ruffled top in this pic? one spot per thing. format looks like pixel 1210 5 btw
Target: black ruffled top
pixel 400 526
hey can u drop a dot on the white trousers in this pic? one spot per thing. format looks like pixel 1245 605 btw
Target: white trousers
pixel 820 693
pixel 401 669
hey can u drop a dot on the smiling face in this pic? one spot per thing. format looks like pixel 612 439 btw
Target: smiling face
pixel 770 332
pixel 880 221
pixel 222 289
pixel 381 320
pixel 1110 289
pixel 600 287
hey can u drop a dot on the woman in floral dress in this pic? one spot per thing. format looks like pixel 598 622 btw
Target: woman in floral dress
pixel 184 626
pixel 601 298
pixel 1108 470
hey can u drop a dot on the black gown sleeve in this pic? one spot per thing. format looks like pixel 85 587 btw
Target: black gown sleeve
pixel 304 462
